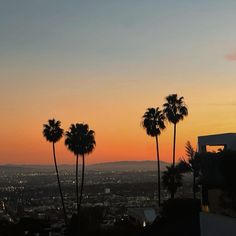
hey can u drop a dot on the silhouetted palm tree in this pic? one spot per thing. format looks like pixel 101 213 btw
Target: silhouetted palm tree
pixel 53 133
pixel 153 123
pixel 172 173
pixel 192 164
pixel 81 141
pixel 175 111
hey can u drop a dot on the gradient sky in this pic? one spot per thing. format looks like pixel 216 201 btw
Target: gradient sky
pixel 103 63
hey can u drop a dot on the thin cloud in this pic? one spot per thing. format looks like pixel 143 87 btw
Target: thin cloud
pixel 231 56
pixel 223 104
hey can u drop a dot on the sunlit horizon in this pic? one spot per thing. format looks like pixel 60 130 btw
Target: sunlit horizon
pixel 103 64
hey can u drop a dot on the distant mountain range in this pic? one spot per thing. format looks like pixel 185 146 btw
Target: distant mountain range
pixel 107 166
pixel 128 166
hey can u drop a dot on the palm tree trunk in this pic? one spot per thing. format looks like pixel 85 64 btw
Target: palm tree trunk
pixel 82 181
pixel 159 173
pixel 59 183
pixel 172 194
pixel 174 145
pixel 173 177
pixel 194 185
pixel 77 184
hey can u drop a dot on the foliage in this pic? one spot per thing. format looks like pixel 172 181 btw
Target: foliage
pixel 89 220
pixel 172 179
pixel 53 131
pixel 180 208
pixel 192 164
pixel 175 108
pixel 153 121
pixel 79 139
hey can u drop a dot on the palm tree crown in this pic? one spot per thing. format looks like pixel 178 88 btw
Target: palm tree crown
pixel 175 108
pixel 52 131
pixel 79 139
pixel 153 121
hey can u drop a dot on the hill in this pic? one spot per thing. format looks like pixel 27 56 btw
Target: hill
pixel 107 166
pixel 128 166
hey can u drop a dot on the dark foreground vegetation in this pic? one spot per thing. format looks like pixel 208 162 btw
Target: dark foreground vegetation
pixel 178 217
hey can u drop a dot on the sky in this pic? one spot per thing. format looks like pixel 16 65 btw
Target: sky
pixel 104 62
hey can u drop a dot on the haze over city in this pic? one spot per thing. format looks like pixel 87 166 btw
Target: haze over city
pixel 104 63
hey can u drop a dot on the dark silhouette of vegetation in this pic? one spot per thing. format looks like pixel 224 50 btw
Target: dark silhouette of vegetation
pixel 192 164
pixel 26 226
pixel 90 219
pixel 172 173
pixel 178 217
pixel 81 141
pixel 53 132
pixel 153 123
pixel 175 110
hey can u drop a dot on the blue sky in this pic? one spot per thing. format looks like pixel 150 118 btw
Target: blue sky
pixel 99 34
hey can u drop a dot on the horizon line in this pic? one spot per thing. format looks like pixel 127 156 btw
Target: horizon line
pixel 105 162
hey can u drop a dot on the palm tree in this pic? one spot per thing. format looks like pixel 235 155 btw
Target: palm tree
pixel 53 132
pixel 192 164
pixel 153 122
pixel 175 111
pixel 81 141
pixel 172 173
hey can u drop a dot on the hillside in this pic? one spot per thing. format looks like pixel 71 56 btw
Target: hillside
pixel 107 166
pixel 128 166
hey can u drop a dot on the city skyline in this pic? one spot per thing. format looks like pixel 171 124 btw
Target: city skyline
pixel 103 63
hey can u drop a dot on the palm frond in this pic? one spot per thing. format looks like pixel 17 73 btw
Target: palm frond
pixel 153 121
pixel 52 131
pixel 175 108
pixel 79 139
pixel 189 150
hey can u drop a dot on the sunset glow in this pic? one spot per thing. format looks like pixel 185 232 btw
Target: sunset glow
pixel 104 63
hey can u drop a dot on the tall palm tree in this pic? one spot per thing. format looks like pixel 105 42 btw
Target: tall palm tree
pixel 53 132
pixel 81 141
pixel 175 110
pixel 153 121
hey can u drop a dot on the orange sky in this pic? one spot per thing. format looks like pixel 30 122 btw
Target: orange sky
pixel 115 116
pixel 106 69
